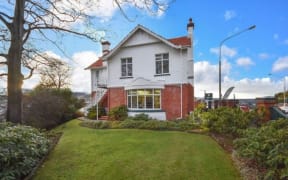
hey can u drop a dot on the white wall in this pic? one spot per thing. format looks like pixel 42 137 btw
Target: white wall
pixel 102 77
pixel 143 59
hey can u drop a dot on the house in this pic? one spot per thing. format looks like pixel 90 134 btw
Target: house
pixel 148 73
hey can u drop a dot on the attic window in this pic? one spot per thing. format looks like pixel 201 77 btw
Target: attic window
pixel 162 63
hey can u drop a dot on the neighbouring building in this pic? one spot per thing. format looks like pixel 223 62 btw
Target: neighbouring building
pixel 148 73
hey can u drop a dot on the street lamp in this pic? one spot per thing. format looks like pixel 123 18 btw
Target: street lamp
pixel 220 49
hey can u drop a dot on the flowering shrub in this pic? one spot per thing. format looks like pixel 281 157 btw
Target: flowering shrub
pixel 21 148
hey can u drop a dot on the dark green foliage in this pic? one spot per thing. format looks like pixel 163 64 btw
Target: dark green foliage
pixel 118 113
pixel 141 117
pixel 268 146
pixel 47 108
pixel 140 124
pixel 227 120
pixel 21 148
pixel 92 112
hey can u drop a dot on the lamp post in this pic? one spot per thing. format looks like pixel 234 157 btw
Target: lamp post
pixel 220 49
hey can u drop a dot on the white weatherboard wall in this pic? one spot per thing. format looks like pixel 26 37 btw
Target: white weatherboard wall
pixel 102 78
pixel 143 60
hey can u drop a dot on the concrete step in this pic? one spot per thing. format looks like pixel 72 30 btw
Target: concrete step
pixel 104 118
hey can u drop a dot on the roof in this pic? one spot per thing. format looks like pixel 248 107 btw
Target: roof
pixel 182 41
pixel 96 64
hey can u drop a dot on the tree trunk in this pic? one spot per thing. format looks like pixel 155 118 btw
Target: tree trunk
pixel 15 78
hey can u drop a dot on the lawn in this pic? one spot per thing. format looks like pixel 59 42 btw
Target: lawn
pixel 84 153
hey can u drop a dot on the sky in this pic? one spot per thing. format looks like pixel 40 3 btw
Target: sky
pixel 254 62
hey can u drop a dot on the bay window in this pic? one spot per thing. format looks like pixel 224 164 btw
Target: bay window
pixel 144 99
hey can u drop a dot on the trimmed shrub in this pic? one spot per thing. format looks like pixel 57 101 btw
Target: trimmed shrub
pixel 141 117
pixel 119 113
pixel 21 148
pixel 92 112
pixel 140 124
pixel 227 120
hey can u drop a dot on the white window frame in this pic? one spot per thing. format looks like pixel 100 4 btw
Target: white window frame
pixel 136 93
pixel 159 58
pixel 126 67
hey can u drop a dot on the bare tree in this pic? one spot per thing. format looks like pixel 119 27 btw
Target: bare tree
pixel 24 21
pixel 56 74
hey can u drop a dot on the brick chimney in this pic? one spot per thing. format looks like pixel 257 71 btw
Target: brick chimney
pixel 105 47
pixel 190 28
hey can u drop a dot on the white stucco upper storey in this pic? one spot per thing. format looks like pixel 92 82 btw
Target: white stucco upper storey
pixel 145 57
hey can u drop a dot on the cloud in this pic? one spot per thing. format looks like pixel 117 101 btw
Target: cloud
pixel 206 78
pixel 225 51
pixel 81 80
pixel 263 56
pixel 244 61
pixel 229 14
pixel 286 41
pixel 280 64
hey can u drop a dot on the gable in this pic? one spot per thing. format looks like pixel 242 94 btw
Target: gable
pixel 140 37
pixel 145 35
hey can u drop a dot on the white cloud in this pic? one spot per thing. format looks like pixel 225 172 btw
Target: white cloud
pixel 286 41
pixel 225 51
pixel 229 14
pixel 81 80
pixel 244 61
pixel 206 78
pixel 280 64
pixel 263 56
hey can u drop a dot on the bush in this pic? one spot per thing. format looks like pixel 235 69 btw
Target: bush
pixel 268 146
pixel 92 112
pixel 118 113
pixel 21 148
pixel 47 108
pixel 140 124
pixel 227 120
pixel 141 117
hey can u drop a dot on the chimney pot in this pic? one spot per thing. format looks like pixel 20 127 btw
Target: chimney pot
pixel 105 47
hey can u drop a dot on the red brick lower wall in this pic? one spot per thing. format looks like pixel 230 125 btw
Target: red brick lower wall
pixel 116 97
pixel 171 100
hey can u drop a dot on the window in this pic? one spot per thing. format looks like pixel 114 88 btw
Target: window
pixel 162 63
pixel 144 99
pixel 126 67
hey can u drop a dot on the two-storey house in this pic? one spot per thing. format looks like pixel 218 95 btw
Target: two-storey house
pixel 148 73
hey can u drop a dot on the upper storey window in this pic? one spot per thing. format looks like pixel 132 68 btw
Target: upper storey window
pixel 162 63
pixel 126 67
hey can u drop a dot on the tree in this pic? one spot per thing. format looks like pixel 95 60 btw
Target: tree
pixel 22 21
pixel 56 74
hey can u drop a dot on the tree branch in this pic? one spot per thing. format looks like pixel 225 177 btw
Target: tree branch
pixel 4 55
pixel 30 73
pixel 64 30
pixel 4 74
pixel 2 15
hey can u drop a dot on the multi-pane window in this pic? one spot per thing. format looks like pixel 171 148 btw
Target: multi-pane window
pixel 144 99
pixel 162 63
pixel 126 67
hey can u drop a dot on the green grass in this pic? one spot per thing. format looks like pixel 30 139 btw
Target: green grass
pixel 84 153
